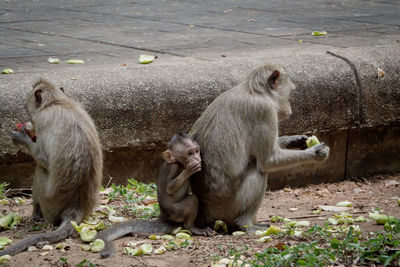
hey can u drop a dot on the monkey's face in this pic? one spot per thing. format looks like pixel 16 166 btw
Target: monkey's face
pixel 284 89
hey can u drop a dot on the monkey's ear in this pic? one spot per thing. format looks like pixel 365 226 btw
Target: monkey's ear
pixel 38 97
pixel 167 156
pixel 273 79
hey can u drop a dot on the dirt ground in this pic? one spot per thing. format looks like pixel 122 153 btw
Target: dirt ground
pixel 379 191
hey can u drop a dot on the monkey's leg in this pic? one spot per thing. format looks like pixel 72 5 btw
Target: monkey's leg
pixel 249 198
pixel 40 177
pixel 188 206
pixel 37 214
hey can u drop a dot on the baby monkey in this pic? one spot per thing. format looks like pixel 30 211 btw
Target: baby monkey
pixel 182 160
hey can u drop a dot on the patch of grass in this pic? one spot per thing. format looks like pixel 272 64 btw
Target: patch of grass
pixel 140 198
pixel 3 188
pixel 333 247
pixel 86 263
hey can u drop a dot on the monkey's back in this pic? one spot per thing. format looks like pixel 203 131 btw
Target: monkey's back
pixel 75 159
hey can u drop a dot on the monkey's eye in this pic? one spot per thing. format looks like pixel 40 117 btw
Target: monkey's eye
pixel 190 153
pixel 197 151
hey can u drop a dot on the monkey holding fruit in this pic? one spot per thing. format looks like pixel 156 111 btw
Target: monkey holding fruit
pixel 69 163
pixel 238 135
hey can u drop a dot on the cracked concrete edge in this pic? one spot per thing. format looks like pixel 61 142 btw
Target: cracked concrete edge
pixel 138 108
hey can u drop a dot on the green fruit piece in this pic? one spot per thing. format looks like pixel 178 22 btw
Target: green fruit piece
pixel 160 250
pixel 344 204
pixel 273 230
pixel 7 71
pixel 318 33
pixel 98 245
pixel 115 219
pixel 154 237
pixel 290 224
pixel 312 141
pixel 132 251
pixel 92 220
pixel 238 233
pixel 167 237
pixel 100 226
pixel 146 59
pixel 398 201
pixel 76 226
pixel 264 239
pixel 146 248
pixel 176 230
pixel 302 224
pixel 221 227
pixel 4 201
pixel 5 258
pixel 182 236
pixel 17 218
pixel 316 212
pixel 85 247
pixel 61 245
pixel 275 219
pixel 185 231
pixel 360 219
pixel 19 200
pixel 53 60
pixel 5 221
pixel 75 61
pixel 380 218
pixel 333 221
pixel 87 235
pixel 4 241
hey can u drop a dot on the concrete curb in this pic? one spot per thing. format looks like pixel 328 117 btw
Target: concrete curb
pixel 136 109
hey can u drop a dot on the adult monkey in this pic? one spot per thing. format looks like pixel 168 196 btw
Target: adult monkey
pixel 69 162
pixel 238 136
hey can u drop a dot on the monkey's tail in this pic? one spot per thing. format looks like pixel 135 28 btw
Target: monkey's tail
pixel 122 229
pixel 65 230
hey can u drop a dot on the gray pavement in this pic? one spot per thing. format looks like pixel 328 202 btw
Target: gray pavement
pixel 110 33
pixel 203 49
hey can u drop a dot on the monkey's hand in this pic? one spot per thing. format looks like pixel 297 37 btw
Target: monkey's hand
pixel 20 137
pixel 321 151
pixel 293 141
pixel 192 166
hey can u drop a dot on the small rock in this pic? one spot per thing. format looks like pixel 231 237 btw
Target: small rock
pixel 32 248
pixel 359 190
pixel 47 247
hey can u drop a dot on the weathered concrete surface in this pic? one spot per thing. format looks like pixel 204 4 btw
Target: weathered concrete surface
pixel 138 107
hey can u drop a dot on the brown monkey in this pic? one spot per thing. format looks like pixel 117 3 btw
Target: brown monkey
pixel 182 160
pixel 69 162
pixel 238 135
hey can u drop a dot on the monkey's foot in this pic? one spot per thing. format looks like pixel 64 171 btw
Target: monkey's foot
pixel 202 232
pixel 37 218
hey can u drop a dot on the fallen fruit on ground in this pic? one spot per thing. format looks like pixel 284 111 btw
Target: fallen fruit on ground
pixel 7 71
pixel 146 59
